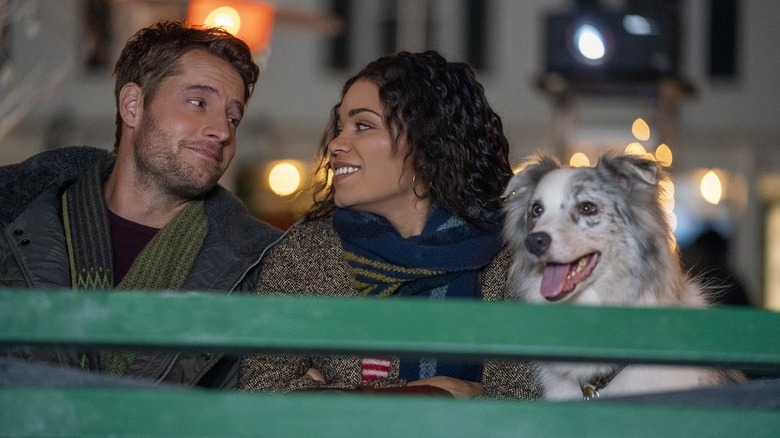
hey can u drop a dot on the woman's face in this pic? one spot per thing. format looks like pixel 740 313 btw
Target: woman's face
pixel 368 176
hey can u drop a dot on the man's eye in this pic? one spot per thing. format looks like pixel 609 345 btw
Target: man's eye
pixel 234 119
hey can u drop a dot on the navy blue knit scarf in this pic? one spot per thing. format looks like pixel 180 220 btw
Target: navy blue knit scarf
pixel 444 261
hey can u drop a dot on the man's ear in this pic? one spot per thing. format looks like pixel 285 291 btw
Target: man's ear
pixel 130 103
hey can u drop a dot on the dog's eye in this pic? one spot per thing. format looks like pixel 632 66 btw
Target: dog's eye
pixel 588 208
pixel 536 210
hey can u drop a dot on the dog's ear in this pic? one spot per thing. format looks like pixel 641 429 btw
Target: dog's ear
pixel 630 169
pixel 533 169
pixel 518 193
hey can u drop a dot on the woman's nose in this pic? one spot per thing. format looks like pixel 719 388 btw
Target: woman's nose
pixel 338 144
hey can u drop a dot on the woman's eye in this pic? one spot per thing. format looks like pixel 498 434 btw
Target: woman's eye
pixel 198 102
pixel 362 126
pixel 588 208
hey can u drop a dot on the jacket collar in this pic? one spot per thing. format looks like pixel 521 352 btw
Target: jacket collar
pixel 23 182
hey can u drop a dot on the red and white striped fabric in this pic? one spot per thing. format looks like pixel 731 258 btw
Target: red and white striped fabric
pixel 374 368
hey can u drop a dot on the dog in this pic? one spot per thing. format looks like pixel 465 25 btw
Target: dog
pixel 599 236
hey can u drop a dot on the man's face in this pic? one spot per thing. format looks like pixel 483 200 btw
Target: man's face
pixel 186 136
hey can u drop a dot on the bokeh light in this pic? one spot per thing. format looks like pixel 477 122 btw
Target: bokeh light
pixel 579 160
pixel 225 17
pixel 711 187
pixel 640 129
pixel 663 154
pixel 635 149
pixel 284 178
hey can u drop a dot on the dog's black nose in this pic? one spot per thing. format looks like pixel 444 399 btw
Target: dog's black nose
pixel 537 243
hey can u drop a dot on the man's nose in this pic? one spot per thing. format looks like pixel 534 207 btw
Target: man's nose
pixel 219 130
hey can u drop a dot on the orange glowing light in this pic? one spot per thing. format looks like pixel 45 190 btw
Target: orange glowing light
pixel 251 21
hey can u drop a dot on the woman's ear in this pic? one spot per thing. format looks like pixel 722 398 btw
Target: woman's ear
pixel 130 104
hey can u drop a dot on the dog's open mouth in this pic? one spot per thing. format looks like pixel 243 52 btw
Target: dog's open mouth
pixel 561 278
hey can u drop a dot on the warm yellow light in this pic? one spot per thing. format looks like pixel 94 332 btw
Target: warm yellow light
pixel 667 203
pixel 640 129
pixel 224 17
pixel 772 259
pixel 579 160
pixel 519 168
pixel 328 177
pixel 667 186
pixel 284 178
pixel 711 188
pixel 663 154
pixel 671 219
pixel 635 149
pixel 667 194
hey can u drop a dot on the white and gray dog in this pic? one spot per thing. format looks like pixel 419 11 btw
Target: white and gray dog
pixel 599 236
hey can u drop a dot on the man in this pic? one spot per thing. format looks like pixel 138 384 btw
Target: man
pixel 149 215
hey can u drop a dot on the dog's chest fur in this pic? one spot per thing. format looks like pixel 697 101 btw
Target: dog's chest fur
pixel 564 381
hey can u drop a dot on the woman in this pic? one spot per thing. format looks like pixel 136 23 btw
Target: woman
pixel 417 161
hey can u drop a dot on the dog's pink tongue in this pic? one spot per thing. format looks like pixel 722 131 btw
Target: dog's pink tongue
pixel 553 280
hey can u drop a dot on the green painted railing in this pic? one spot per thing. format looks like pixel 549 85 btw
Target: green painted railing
pixel 741 337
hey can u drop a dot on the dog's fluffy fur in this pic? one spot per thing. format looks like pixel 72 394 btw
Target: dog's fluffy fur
pixel 599 236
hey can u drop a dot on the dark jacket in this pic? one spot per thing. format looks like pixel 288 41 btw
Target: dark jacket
pixel 308 260
pixel 33 254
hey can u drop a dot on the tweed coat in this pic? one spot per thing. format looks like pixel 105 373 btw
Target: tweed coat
pixel 308 261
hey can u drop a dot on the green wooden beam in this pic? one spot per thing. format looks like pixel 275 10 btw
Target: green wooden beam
pixel 252 323
pixel 80 412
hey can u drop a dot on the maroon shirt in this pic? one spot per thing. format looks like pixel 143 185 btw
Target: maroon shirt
pixel 128 239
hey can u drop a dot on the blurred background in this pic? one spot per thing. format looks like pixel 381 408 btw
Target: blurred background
pixel 690 83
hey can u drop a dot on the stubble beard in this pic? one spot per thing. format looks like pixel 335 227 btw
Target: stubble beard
pixel 161 168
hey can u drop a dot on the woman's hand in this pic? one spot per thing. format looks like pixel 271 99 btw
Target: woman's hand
pixel 457 387
pixel 315 375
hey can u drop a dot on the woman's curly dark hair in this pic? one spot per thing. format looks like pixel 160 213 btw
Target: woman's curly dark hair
pixel 455 140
